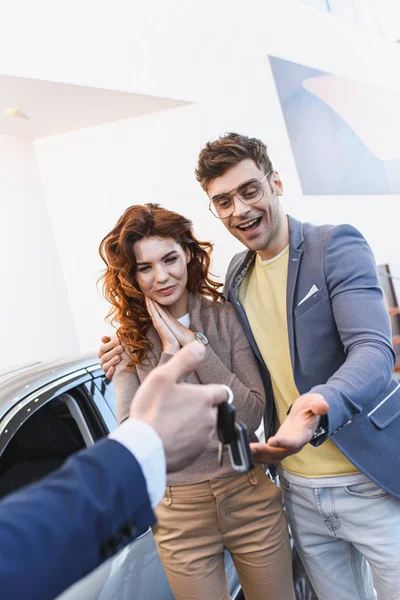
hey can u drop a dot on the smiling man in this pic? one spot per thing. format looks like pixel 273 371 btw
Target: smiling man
pixel 310 302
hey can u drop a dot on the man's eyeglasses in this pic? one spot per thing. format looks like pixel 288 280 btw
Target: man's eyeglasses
pixel 250 192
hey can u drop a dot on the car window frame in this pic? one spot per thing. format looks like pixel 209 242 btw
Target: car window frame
pixel 105 411
pixel 79 418
pixel 13 419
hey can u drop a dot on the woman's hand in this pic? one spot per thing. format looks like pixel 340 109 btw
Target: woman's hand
pixel 183 334
pixel 169 341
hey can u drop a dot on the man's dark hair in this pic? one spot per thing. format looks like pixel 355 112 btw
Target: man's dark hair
pixel 228 150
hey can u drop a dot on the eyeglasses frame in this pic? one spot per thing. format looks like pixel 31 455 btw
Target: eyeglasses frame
pixel 234 193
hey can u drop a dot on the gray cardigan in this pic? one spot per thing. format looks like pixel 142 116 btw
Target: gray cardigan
pixel 229 360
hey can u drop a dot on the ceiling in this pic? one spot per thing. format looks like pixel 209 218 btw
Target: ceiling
pixel 54 108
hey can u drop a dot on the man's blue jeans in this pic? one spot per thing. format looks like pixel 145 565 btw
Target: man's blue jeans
pixel 336 529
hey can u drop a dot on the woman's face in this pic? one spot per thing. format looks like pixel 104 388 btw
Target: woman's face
pixel 161 269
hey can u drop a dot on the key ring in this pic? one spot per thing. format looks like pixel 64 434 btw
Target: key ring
pixel 230 393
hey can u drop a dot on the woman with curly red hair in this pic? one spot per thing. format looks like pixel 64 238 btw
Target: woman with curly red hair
pixel 158 283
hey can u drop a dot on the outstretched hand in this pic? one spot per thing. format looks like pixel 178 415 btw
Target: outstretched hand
pixel 300 424
pixel 268 455
pixel 295 432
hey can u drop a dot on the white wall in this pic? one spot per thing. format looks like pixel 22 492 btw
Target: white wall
pixel 36 321
pixel 140 160
pixel 214 53
pixel 145 45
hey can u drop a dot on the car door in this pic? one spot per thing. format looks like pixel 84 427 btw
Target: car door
pixel 38 434
pixel 43 428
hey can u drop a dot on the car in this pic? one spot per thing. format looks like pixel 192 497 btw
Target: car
pixel 50 410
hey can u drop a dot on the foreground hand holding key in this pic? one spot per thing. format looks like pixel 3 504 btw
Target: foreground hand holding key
pixel 182 414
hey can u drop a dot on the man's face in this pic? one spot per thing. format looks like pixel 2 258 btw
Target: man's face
pixel 255 225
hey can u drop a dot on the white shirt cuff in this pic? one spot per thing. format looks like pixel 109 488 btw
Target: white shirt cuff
pixel 145 444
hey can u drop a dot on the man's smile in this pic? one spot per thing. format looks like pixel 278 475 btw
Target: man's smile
pixel 250 224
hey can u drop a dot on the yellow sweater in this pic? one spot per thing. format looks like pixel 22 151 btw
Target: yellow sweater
pixel 263 297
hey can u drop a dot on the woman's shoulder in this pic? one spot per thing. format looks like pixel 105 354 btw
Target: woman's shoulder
pixel 221 310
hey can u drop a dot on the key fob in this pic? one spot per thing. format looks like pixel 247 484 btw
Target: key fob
pixel 239 449
pixel 226 422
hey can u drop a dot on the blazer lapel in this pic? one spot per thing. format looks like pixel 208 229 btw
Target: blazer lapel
pixel 295 253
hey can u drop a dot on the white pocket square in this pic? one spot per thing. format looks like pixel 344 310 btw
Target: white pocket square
pixel 312 291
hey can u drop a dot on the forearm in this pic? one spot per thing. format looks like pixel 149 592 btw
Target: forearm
pixel 55 532
pixel 363 324
pixel 365 373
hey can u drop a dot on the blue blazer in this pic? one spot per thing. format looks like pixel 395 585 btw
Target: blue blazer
pixel 54 532
pixel 340 343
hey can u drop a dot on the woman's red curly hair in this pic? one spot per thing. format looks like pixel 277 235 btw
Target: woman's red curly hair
pixel 120 287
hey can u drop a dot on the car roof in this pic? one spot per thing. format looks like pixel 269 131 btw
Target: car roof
pixel 18 382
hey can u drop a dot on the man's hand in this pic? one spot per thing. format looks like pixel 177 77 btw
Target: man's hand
pixel 184 415
pixel 295 432
pixel 300 424
pixel 109 354
pixel 268 455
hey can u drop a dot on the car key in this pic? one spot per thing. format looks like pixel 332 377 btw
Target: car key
pixel 239 449
pixel 233 435
pixel 225 428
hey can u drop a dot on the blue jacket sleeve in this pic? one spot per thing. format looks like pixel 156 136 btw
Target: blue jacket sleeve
pixel 56 531
pixel 362 322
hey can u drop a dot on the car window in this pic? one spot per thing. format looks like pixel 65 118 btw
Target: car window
pixel 102 393
pixel 106 388
pixel 44 439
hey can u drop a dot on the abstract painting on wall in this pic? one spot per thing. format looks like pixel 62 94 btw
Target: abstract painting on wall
pixel 345 135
